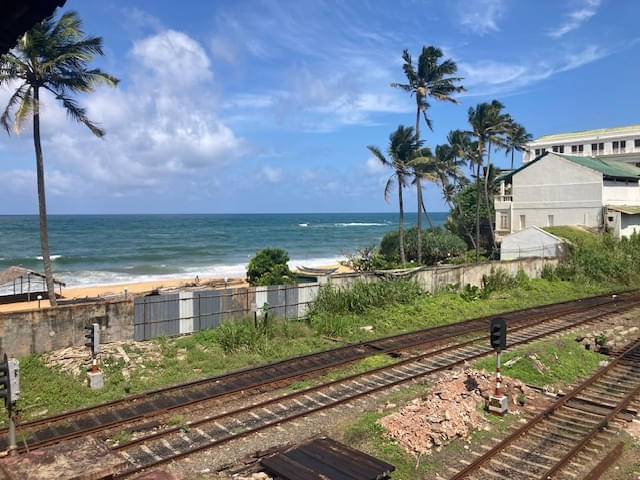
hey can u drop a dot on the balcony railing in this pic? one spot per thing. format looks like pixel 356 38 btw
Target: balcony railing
pixel 504 198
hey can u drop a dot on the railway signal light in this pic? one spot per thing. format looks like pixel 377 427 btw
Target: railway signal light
pixel 9 380
pixel 498 333
pixel 93 337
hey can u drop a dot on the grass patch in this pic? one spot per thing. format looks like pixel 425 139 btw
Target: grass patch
pixel 564 358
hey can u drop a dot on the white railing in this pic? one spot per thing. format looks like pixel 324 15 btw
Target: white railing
pixel 504 198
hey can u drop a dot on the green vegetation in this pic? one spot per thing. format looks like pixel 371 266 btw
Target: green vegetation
pixel 597 258
pixel 241 343
pixel 438 245
pixel 269 267
pixel 546 362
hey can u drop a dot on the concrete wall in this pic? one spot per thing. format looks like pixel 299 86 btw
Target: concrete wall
pixel 629 224
pixel 37 331
pixel 531 242
pixel 621 192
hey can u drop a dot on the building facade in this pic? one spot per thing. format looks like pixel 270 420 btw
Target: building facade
pixel 560 189
pixel 619 143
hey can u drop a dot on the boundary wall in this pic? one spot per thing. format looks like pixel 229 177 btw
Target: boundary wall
pixel 141 318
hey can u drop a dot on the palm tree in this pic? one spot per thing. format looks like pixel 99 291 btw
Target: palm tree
pixel 488 123
pixel 429 80
pixel 401 147
pixel 52 56
pixel 516 138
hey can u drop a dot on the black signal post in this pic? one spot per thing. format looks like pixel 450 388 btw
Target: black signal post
pixel 498 403
pixel 10 392
pixel 93 343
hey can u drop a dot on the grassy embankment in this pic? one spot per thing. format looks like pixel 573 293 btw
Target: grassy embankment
pixel 388 307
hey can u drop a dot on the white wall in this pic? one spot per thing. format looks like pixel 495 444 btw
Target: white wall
pixel 621 193
pixel 530 242
pixel 572 194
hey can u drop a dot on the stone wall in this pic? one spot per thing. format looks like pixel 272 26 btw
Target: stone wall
pixel 37 331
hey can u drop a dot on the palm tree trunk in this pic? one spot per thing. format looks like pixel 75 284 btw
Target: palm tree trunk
pixel 512 151
pixel 486 199
pixel 478 210
pixel 42 204
pixel 403 258
pixel 419 187
pixel 426 214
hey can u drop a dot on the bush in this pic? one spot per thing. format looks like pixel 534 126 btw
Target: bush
pixel 437 245
pixel 269 267
pixel 362 296
pixel 367 259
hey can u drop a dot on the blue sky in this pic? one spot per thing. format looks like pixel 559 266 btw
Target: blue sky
pixel 268 106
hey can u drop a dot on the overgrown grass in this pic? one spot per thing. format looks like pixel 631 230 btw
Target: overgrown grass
pixel 563 359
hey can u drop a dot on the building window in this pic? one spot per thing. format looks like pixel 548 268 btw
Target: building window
pixel 537 152
pixel 577 148
pixel 558 148
pixel 544 150
pixel 549 220
pixel 504 222
pixel 615 146
pixel 555 148
pixel 523 222
pixel 623 145
pixel 636 142
pixel 597 148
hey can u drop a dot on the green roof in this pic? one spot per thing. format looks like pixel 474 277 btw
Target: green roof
pixel 598 131
pixel 609 168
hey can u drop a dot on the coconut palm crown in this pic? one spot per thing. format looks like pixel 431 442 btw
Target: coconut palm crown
pixel 52 56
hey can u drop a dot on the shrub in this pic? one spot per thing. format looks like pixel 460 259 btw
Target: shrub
pixel 437 245
pixel 367 259
pixel 269 267
pixel 362 296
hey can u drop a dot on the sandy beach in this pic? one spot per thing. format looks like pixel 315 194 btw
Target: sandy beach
pixel 135 288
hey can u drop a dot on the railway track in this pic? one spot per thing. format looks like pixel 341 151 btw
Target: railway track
pixel 76 423
pixel 177 442
pixel 575 438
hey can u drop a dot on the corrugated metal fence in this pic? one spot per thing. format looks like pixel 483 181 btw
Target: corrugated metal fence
pixel 186 312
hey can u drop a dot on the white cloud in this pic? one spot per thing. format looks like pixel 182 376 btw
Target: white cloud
pixel 160 125
pixel 374 167
pixel 173 56
pixel 271 174
pixel 481 16
pixel 576 18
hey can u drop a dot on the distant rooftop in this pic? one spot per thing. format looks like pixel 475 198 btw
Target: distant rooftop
pixel 596 132
pixel 610 168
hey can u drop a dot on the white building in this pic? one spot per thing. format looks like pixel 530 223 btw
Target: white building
pixel 532 242
pixel 620 143
pixel 560 189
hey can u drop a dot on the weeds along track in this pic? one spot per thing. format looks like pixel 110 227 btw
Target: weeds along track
pixel 155 403
pixel 173 443
pixel 575 438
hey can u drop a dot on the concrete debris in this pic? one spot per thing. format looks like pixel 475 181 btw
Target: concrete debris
pixel 77 360
pixel 450 410
pixel 253 476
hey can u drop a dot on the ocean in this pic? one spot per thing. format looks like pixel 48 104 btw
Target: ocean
pixel 108 249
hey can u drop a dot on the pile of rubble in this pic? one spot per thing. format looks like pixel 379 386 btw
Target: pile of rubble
pixel 450 410
pixel 608 340
pixel 77 360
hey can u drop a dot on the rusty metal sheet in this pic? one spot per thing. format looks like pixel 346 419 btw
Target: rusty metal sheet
pixel 326 459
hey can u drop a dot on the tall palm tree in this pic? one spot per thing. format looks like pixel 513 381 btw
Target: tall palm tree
pixel 52 56
pixel 428 79
pixel 401 147
pixel 488 123
pixel 516 138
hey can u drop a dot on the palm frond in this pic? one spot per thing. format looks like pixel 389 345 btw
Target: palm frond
pixel 14 99
pixel 77 113
pixel 377 153
pixel 388 187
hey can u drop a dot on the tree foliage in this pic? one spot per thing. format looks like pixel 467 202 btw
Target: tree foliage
pixel 438 244
pixel 269 267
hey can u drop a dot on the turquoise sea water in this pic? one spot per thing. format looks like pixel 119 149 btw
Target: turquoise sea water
pixel 103 249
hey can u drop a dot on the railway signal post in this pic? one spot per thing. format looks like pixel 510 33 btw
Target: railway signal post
pixel 95 377
pixel 10 393
pixel 498 403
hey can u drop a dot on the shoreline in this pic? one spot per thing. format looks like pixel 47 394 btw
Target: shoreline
pixel 137 288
